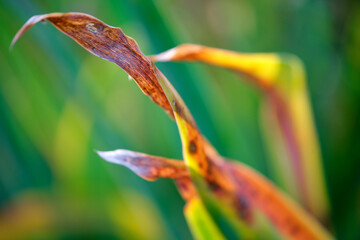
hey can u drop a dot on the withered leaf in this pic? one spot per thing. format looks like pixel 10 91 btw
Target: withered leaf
pixel 109 43
pixel 153 167
pixel 146 166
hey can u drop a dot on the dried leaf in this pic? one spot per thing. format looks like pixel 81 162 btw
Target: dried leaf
pixel 108 43
pixel 152 167
pixel 146 166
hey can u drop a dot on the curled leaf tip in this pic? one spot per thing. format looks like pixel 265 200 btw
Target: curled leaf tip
pixel 29 23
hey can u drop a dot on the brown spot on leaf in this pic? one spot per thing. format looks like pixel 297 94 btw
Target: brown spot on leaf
pixel 192 147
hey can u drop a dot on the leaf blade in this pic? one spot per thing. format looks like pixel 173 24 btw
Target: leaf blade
pixel 108 43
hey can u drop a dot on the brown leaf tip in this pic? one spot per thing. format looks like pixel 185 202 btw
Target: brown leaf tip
pixel 146 166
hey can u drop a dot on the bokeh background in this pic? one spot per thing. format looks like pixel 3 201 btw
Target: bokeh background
pixel 58 103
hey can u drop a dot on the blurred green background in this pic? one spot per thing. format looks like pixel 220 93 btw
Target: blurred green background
pixel 58 103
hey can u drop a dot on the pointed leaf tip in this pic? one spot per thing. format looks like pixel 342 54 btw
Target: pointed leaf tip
pixel 29 23
pixel 106 155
